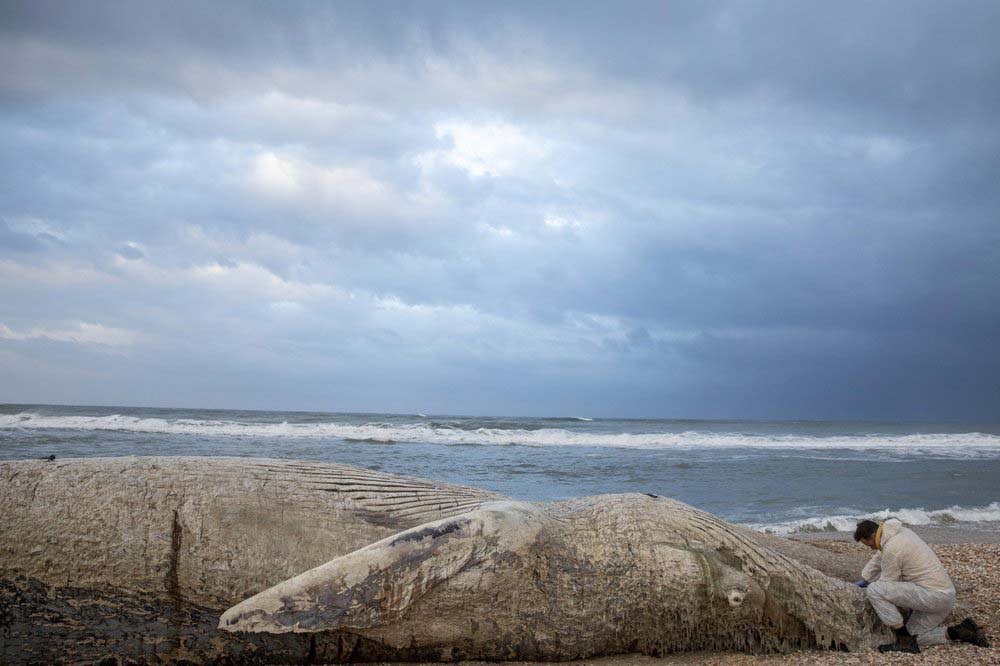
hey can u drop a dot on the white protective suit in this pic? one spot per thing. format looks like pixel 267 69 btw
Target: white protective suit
pixel 905 573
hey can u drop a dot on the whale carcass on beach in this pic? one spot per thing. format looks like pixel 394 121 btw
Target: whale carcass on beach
pixel 137 558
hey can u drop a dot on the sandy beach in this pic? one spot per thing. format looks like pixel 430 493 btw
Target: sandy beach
pixel 972 557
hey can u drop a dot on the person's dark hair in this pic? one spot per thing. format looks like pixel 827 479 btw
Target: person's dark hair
pixel 865 529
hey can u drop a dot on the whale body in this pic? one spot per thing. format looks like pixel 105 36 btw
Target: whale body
pixel 140 558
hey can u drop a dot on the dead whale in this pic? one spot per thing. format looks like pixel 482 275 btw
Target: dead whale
pixel 137 558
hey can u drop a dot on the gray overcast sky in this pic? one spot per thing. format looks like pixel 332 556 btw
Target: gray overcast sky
pixel 736 209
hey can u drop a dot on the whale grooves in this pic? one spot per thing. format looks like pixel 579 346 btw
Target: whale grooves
pixel 244 560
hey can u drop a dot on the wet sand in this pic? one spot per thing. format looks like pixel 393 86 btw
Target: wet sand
pixel 972 557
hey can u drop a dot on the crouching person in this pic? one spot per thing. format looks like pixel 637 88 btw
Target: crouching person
pixel 905 574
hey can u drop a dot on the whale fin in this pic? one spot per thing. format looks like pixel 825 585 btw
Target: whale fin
pixel 375 585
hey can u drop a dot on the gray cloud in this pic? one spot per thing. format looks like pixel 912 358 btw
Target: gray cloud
pixel 726 209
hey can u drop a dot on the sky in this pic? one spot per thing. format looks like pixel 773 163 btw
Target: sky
pixel 685 210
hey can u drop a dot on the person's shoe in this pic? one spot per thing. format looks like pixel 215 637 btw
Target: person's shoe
pixel 968 624
pixel 968 631
pixel 906 644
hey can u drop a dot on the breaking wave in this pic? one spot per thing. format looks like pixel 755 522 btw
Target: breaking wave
pixel 847 523
pixel 972 444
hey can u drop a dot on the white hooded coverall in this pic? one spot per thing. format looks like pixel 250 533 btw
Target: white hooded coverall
pixel 905 573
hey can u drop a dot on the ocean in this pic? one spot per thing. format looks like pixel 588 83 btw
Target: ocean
pixel 785 476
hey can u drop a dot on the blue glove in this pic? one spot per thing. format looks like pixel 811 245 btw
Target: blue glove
pixel 862 583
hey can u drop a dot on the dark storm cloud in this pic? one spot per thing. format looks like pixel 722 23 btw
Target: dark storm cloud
pixel 715 209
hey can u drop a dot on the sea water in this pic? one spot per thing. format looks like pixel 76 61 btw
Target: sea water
pixel 782 475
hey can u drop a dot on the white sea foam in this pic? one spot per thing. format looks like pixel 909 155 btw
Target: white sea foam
pixel 847 522
pixel 951 445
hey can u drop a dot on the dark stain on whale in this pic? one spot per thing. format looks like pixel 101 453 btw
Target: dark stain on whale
pixel 428 532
